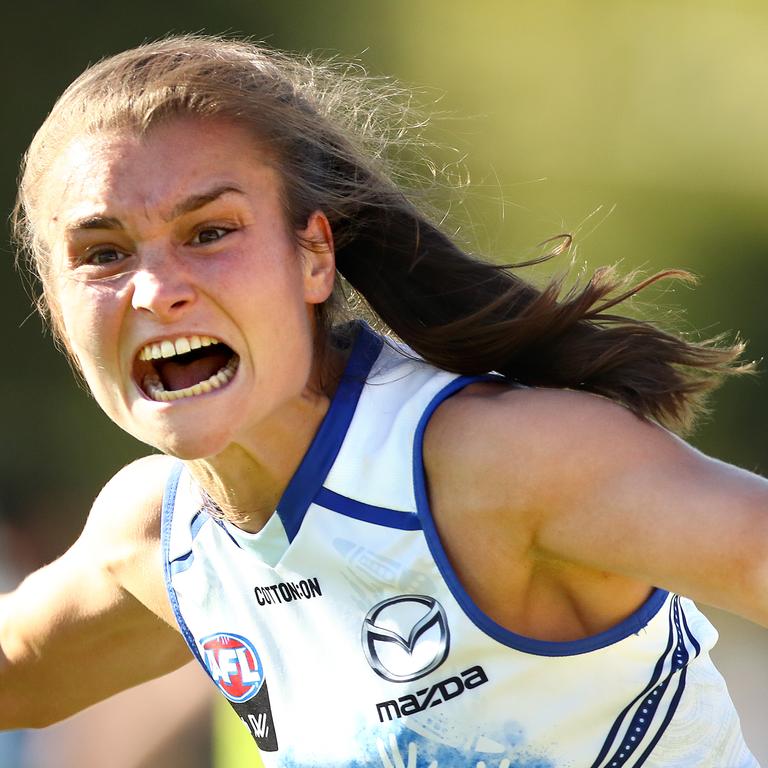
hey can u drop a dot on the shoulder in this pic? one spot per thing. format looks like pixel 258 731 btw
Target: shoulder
pixel 130 503
pixel 528 409
pixel 122 534
pixel 523 448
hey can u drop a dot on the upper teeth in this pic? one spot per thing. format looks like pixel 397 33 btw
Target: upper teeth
pixel 180 346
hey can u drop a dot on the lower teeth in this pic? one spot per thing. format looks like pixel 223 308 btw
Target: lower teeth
pixel 155 389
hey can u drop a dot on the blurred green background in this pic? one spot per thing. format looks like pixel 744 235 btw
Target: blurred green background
pixel 641 127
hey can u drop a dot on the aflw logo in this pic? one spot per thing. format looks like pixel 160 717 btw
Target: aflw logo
pixel 257 725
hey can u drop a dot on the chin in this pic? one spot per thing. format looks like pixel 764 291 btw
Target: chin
pixel 184 444
pixel 192 447
pixel 184 435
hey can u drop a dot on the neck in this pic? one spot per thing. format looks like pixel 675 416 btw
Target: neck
pixel 247 479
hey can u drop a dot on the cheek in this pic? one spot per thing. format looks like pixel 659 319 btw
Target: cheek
pixel 87 316
pixel 268 282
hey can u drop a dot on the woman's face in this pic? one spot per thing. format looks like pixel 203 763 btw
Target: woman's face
pixel 182 294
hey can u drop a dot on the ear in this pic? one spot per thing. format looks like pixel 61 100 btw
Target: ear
pixel 318 259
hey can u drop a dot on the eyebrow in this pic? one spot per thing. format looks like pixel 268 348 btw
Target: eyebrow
pixel 188 205
pixel 194 202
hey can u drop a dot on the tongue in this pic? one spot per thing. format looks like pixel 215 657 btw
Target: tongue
pixel 179 375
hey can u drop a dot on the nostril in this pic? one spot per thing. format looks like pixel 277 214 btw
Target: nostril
pixel 160 290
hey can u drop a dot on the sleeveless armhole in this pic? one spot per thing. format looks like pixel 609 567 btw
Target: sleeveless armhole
pixel 629 626
pixel 169 502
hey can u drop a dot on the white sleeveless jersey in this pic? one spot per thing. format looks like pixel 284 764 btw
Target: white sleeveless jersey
pixel 342 636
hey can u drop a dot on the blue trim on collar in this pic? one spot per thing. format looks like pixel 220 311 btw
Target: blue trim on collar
pixel 325 446
pixel 369 513
pixel 631 625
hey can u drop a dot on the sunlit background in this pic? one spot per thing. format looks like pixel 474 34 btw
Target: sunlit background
pixel 640 127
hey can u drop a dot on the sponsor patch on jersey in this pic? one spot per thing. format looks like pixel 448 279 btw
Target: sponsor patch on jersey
pixel 406 637
pixel 233 664
pixel 288 591
pixel 439 693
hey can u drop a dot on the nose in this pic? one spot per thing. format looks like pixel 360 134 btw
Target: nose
pixel 162 287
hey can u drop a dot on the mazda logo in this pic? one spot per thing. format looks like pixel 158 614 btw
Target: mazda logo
pixel 405 637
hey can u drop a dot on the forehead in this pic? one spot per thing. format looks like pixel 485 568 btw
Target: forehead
pixel 121 171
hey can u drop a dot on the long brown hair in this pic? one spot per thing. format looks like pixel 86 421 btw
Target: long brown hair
pixel 332 134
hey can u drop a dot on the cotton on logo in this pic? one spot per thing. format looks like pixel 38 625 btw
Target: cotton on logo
pixel 234 665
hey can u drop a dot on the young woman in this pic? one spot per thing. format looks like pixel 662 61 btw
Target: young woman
pixel 467 551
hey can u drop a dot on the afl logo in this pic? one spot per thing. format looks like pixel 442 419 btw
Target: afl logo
pixel 405 637
pixel 234 665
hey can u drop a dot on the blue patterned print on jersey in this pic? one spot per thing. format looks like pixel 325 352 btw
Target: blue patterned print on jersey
pixel 408 749
pixel 416 751
pixel 655 706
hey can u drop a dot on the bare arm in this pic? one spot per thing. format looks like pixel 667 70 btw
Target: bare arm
pixel 568 477
pixel 652 507
pixel 93 622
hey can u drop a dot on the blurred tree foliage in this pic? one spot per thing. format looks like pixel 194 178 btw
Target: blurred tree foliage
pixel 638 126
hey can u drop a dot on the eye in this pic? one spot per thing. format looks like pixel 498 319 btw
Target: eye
pixel 209 235
pixel 102 257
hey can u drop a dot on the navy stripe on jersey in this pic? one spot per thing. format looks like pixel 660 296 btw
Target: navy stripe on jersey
pixel 391 518
pixel 198 521
pixel 655 707
pixel 223 527
pixel 183 562
pixel 679 665
pixel 667 720
pixel 323 450
pixel 655 677
pixel 630 626
pixel 646 707
pixel 694 641
pixel 169 501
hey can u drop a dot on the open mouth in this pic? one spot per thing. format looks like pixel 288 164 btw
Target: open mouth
pixel 184 367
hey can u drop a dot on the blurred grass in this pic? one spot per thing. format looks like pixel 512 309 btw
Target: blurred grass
pixel 233 747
